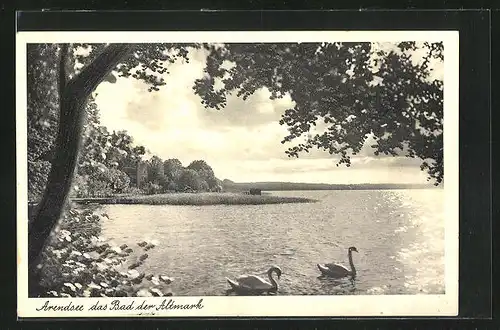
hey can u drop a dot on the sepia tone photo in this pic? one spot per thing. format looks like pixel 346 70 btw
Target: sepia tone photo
pixel 214 168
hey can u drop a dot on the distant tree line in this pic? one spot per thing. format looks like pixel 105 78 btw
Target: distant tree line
pixel 283 186
pixel 108 161
pixel 170 175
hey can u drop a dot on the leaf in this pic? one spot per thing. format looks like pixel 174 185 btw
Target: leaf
pixel 144 293
pixel 138 279
pixel 133 273
pixel 156 292
pixel 134 265
pixel 155 281
pixel 166 279
pixel 116 249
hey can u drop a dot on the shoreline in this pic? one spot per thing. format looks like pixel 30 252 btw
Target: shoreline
pixel 205 198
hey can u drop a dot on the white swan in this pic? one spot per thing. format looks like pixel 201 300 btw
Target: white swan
pixel 256 284
pixel 337 270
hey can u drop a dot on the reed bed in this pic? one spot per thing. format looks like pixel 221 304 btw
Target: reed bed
pixel 196 199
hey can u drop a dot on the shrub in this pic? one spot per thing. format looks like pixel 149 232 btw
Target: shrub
pixel 172 186
pixel 134 191
pixel 151 188
pixel 98 188
pixel 78 263
pixel 118 180
pixel 100 181
pixel 79 187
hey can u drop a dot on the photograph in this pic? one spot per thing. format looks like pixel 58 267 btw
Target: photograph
pixel 201 173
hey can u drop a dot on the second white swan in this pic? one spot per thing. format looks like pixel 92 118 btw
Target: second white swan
pixel 256 284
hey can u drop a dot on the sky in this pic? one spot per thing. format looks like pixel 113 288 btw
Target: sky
pixel 240 142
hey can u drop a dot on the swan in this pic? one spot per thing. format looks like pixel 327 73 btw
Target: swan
pixel 337 270
pixel 256 284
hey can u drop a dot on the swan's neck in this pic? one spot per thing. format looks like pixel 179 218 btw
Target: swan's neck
pixel 353 269
pixel 272 280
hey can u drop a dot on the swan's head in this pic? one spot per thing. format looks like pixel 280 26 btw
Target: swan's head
pixel 277 270
pixel 353 249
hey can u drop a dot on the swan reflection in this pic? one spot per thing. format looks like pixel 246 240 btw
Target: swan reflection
pixel 337 285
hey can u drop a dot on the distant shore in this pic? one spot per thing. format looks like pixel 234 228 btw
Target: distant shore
pixel 231 186
pixel 205 198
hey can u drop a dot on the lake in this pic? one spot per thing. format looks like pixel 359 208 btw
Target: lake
pixel 399 235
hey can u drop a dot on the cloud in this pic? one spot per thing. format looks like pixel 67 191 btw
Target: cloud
pixel 254 111
pixel 240 142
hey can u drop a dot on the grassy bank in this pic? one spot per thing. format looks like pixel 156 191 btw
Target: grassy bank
pixel 196 199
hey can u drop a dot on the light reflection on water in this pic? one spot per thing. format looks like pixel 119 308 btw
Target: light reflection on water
pixel 399 235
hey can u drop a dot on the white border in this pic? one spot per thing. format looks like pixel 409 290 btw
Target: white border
pixel 358 305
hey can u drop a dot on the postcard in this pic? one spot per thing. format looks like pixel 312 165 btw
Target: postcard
pixel 237 174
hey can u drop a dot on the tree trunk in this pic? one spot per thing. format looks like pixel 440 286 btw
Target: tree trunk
pixel 72 99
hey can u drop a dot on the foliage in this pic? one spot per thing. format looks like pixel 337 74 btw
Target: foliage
pixel 165 183
pixel 343 93
pixel 205 172
pixel 101 153
pixel 145 62
pixel 151 188
pixel 123 149
pixel 112 149
pixel 172 186
pixel 103 158
pixel 190 179
pixel 134 191
pixel 38 172
pixel 119 180
pixel 156 170
pixel 78 263
pixel 42 114
pixel 173 169
pixel 170 175
pixel 100 181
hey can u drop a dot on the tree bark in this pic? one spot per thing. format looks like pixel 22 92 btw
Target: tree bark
pixel 72 99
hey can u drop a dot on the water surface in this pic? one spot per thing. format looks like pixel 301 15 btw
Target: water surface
pixel 399 235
